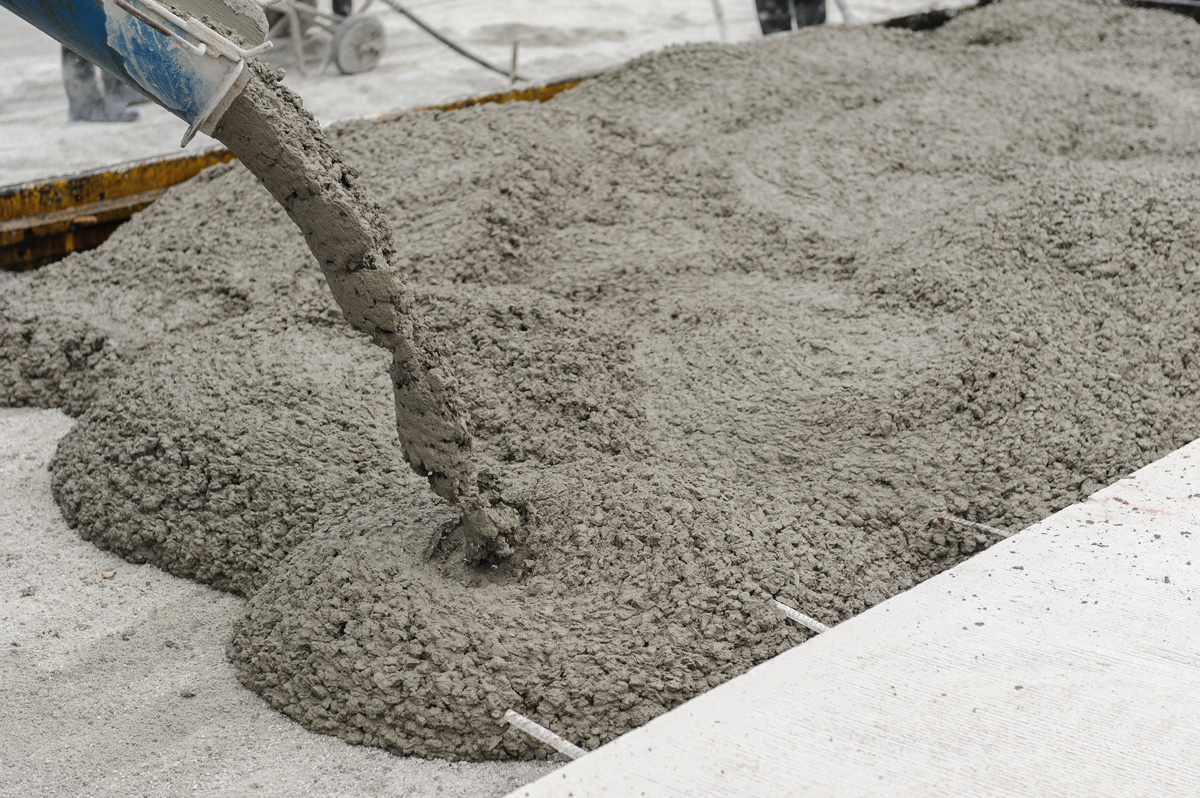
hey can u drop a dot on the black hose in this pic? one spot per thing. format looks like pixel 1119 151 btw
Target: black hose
pixel 465 53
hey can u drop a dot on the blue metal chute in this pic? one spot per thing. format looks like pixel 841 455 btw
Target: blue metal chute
pixel 182 64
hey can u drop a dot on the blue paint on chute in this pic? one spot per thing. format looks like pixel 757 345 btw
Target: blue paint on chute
pixel 191 71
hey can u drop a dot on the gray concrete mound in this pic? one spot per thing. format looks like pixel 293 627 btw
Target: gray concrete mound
pixel 729 323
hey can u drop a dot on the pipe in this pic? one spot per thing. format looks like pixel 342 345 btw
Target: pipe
pixel 180 63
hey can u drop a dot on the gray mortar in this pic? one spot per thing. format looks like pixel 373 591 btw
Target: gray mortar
pixel 282 144
pixel 730 323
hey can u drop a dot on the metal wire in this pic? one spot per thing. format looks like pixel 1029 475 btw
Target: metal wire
pixel 801 618
pixel 455 46
pixel 542 734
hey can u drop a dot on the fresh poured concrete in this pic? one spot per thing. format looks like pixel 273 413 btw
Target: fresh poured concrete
pixel 729 324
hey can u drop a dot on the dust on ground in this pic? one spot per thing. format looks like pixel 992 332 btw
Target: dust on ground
pixel 731 323
pixel 116 680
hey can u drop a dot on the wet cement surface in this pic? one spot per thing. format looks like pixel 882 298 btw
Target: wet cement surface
pixel 284 147
pixel 727 324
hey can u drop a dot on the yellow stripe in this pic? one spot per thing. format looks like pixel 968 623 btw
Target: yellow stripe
pixel 44 220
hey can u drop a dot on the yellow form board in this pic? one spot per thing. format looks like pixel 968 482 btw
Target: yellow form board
pixel 44 220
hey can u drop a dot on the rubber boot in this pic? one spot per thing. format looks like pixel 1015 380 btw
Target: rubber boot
pixel 119 91
pixel 774 16
pixel 809 12
pixel 85 101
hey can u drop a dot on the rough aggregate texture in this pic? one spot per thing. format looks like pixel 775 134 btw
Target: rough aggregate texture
pixel 272 135
pixel 729 323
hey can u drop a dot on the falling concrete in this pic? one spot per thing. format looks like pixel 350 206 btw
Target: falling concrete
pixel 276 139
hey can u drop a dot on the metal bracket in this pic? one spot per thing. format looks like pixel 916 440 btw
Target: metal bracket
pixel 154 14
pixel 200 40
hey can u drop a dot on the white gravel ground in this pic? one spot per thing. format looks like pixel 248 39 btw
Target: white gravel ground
pixel 560 37
pixel 120 686
pixel 557 38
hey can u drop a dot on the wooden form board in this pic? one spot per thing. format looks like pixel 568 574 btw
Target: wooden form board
pixel 1063 661
pixel 47 219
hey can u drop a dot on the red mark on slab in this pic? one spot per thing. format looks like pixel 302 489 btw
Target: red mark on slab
pixel 1139 507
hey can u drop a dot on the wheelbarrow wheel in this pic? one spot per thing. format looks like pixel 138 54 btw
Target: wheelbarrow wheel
pixel 315 52
pixel 357 43
pixel 309 45
pixel 278 22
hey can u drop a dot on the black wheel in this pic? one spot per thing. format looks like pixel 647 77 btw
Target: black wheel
pixel 357 43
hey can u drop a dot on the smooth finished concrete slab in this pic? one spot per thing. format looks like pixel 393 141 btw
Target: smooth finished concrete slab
pixel 1063 661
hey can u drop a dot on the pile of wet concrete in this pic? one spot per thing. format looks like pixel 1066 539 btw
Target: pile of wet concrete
pixel 732 323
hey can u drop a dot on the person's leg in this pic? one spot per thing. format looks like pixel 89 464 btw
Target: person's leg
pixel 119 91
pixel 774 16
pixel 79 79
pixel 85 100
pixel 809 12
